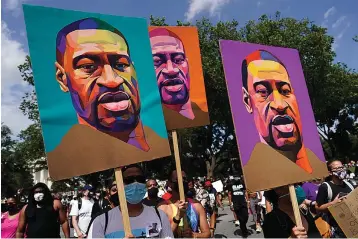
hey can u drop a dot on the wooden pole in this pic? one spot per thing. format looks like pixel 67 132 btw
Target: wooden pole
pixel 179 174
pixel 296 210
pixel 123 203
pixel 178 165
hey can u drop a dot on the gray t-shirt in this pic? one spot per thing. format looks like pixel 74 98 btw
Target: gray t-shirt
pixel 147 224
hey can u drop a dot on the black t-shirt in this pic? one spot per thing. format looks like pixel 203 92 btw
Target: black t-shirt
pixel 277 224
pixel 152 203
pixel 42 222
pixel 322 195
pixel 237 190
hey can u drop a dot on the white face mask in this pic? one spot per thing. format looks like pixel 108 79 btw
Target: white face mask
pixel 39 197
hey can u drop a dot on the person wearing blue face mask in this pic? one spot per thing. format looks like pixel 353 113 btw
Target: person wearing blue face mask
pixel 145 221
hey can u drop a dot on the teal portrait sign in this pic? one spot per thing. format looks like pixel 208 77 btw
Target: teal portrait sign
pixel 96 88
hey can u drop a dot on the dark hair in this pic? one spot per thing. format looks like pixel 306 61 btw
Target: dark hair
pixel 256 55
pixel 329 163
pixel 133 166
pixel 83 24
pixel 12 197
pixel 47 201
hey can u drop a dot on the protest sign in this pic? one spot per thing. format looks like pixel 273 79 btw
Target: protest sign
pixel 218 185
pixel 274 123
pixel 177 63
pixel 96 89
pixel 346 214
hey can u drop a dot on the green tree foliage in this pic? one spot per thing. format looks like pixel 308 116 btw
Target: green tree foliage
pixel 15 173
pixel 332 88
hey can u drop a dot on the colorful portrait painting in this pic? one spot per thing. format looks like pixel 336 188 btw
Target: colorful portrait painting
pixel 99 104
pixel 275 127
pixel 177 64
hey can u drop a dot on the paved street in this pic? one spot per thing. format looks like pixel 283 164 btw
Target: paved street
pixel 225 227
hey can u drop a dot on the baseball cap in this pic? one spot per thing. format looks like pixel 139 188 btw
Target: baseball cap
pixel 87 187
pixel 208 184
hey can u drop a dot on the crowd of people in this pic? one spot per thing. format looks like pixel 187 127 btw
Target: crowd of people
pixel 155 208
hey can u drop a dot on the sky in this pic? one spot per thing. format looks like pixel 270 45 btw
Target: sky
pixel 339 17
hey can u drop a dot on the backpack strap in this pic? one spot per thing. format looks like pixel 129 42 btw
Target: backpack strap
pixel 160 219
pixel 100 203
pixel 329 191
pixel 105 222
pixel 348 184
pixel 79 204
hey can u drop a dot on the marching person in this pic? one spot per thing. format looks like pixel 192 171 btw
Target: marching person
pixel 145 221
pixel 42 216
pixel 152 200
pixel 255 198
pixel 81 212
pixel 238 201
pixel 175 210
pixel 212 206
pixel 333 192
pixel 279 219
pixel 10 219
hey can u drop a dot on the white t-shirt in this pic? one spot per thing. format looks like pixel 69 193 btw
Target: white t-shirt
pixel 147 224
pixel 84 214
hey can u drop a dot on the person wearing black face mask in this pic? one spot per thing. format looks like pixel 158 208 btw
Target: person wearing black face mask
pixel 42 216
pixel 10 219
pixel 106 201
pixel 152 199
pixel 191 193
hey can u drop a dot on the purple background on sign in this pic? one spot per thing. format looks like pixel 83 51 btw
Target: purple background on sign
pixel 233 53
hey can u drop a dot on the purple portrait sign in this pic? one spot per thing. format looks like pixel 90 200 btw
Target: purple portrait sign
pixel 275 127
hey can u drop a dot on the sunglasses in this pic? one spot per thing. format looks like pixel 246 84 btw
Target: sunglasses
pixel 114 189
pixel 132 179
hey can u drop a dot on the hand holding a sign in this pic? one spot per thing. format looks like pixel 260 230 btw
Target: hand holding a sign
pixel 181 205
pixel 299 232
pixel 338 198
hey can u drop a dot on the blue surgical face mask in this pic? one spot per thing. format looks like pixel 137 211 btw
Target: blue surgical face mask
pixel 135 192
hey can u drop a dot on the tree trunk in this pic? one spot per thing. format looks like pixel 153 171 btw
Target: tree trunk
pixel 210 166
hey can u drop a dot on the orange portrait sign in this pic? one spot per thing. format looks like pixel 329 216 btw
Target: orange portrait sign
pixel 178 68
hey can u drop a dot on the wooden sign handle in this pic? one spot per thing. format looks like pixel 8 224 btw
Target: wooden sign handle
pixel 296 210
pixel 178 165
pixel 179 173
pixel 123 203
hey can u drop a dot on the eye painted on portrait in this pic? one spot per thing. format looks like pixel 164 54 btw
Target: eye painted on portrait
pixel 120 62
pixel 86 65
pixel 284 88
pixel 178 58
pixel 263 89
pixel 158 60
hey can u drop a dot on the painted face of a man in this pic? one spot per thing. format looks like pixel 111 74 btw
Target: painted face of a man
pixel 101 79
pixel 171 68
pixel 274 106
